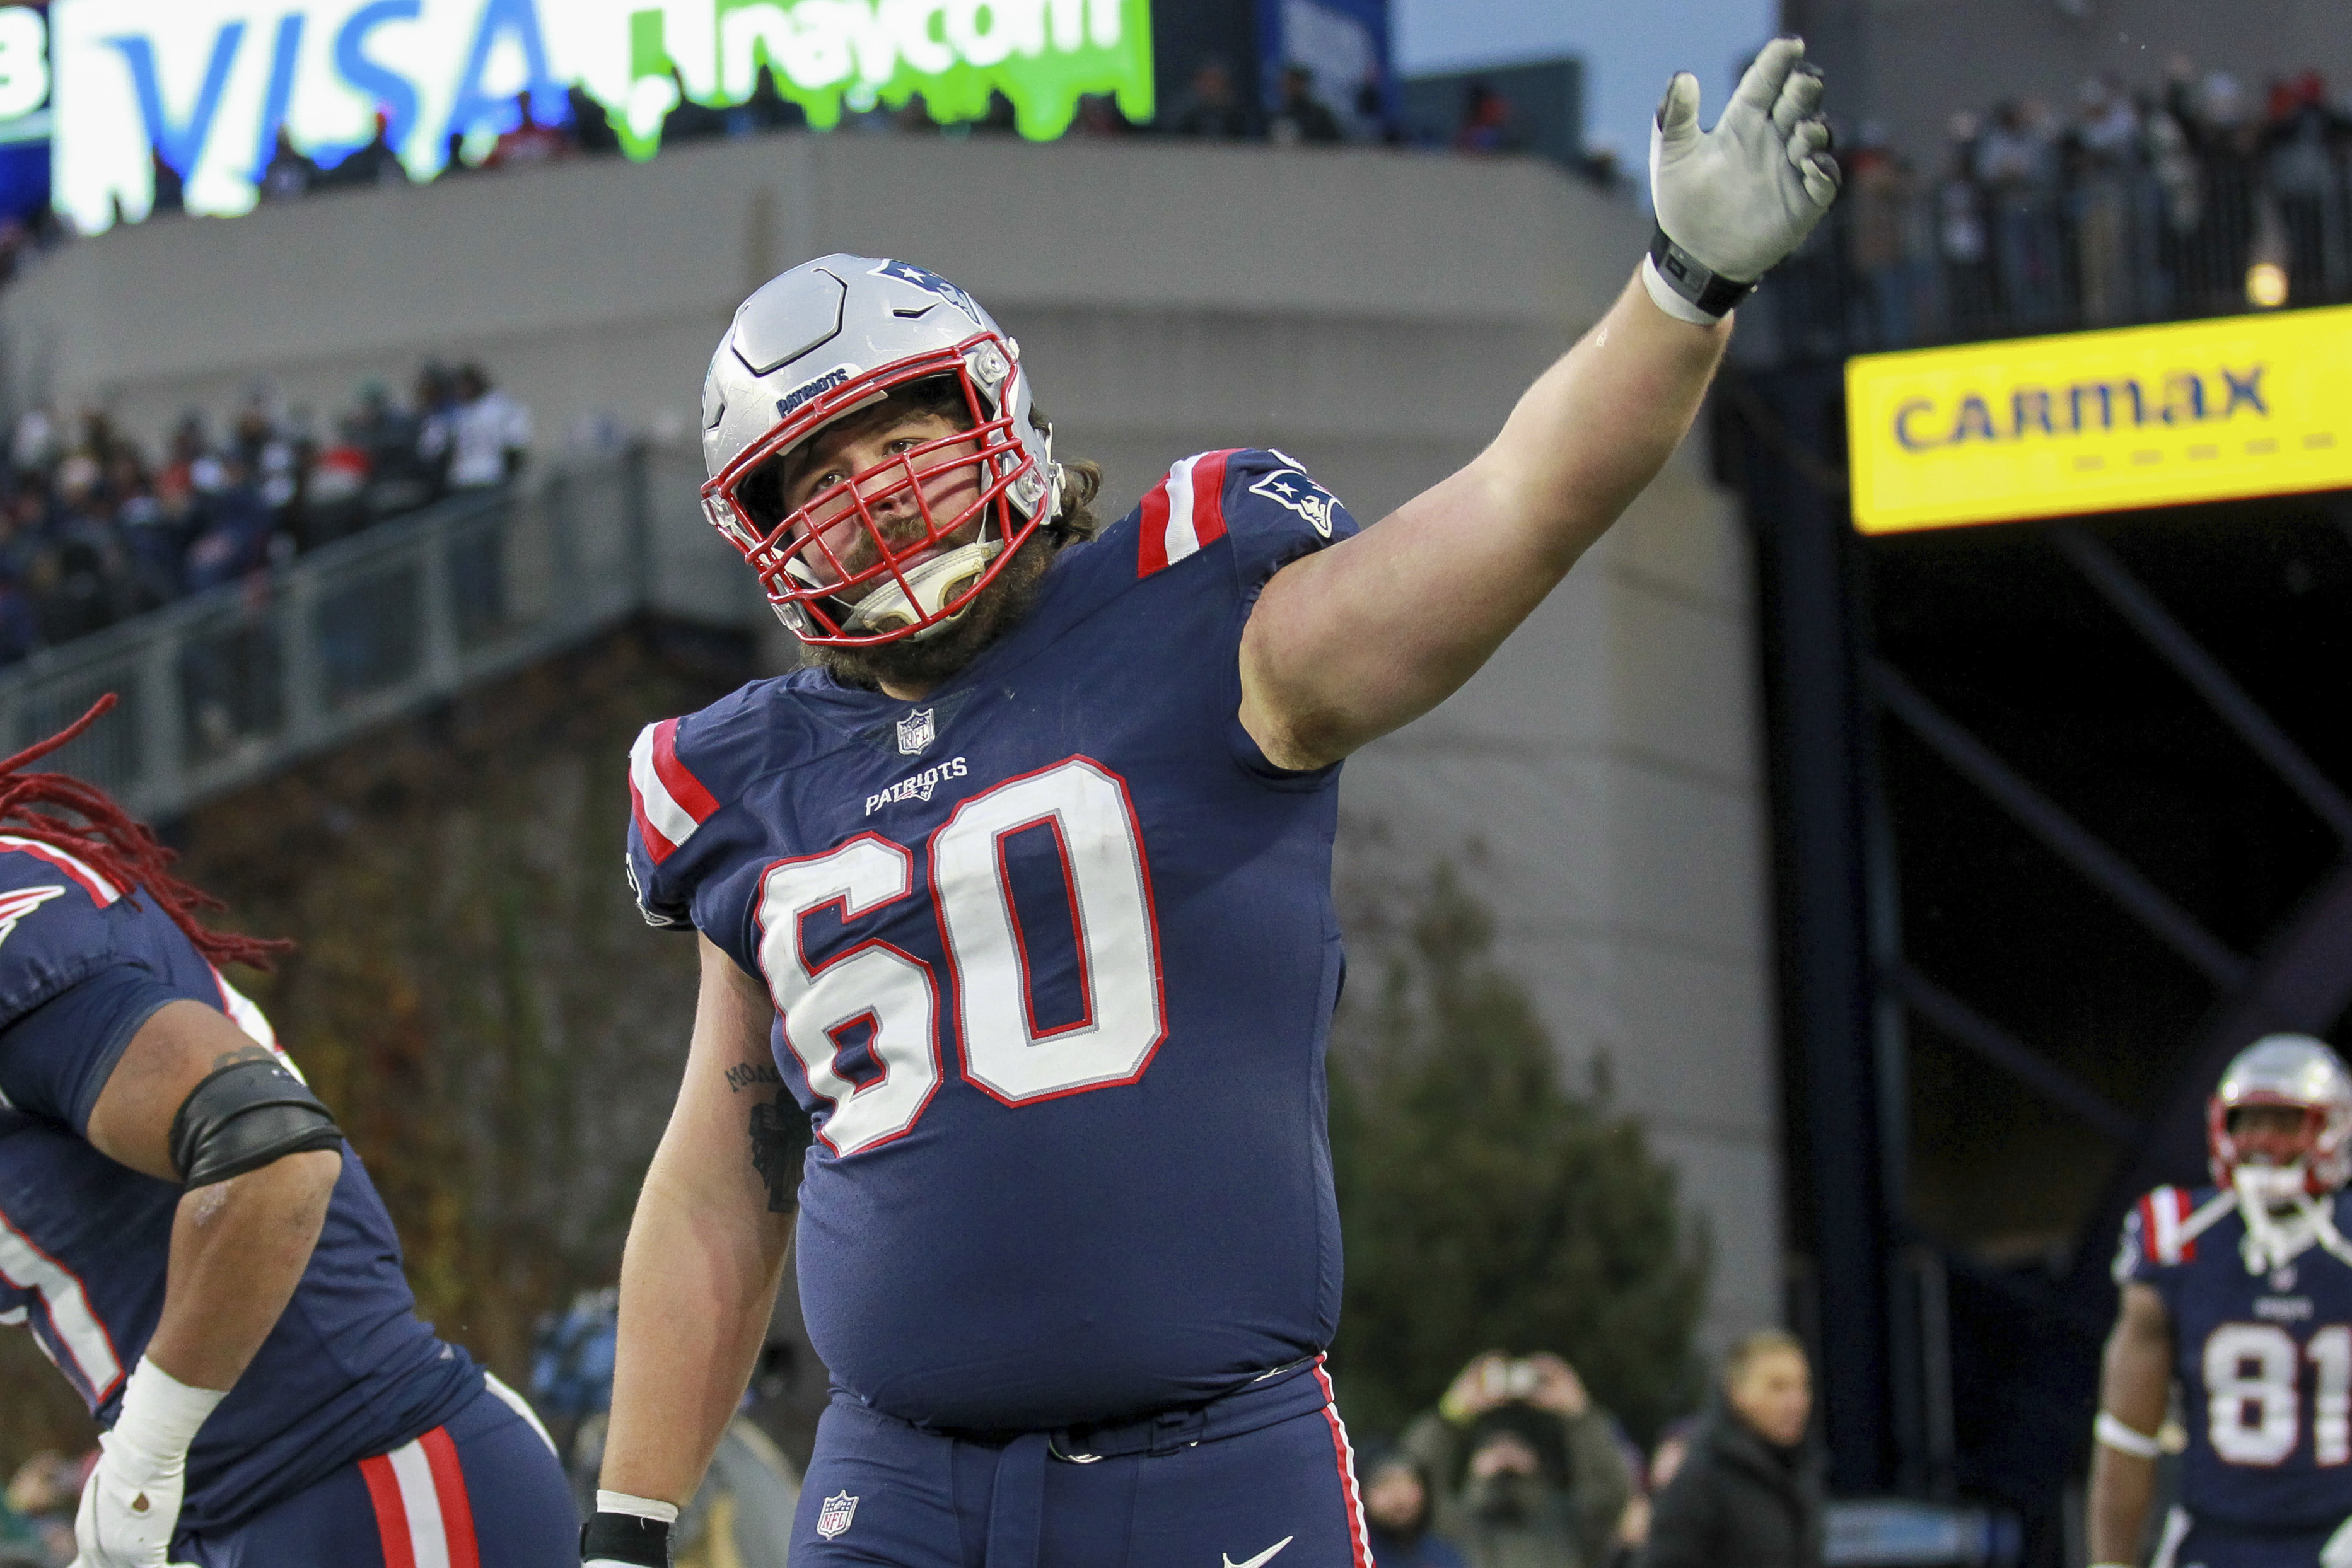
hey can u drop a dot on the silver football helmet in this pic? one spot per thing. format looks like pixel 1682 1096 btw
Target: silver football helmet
pixel 2299 1073
pixel 900 549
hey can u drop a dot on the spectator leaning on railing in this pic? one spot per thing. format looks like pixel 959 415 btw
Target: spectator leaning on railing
pixel 1526 1466
pixel 1748 1490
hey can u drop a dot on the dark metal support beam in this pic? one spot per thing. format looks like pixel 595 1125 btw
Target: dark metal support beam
pixel 2068 838
pixel 1820 736
pixel 2011 1055
pixel 2171 640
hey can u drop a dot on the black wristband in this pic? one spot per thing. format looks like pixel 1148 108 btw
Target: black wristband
pixel 1691 278
pixel 625 1537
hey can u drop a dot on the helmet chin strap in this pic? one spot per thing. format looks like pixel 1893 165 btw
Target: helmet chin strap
pixel 2274 1239
pixel 933 583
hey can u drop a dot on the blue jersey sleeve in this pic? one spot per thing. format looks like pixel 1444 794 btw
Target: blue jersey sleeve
pixel 667 806
pixel 67 985
pixel 686 777
pixel 1275 512
pixel 1261 501
pixel 2159 1237
pixel 55 1060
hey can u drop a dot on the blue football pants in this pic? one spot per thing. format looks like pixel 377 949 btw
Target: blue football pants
pixel 1277 1495
pixel 482 1491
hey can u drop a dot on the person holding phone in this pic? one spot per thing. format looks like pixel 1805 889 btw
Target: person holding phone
pixel 1527 1468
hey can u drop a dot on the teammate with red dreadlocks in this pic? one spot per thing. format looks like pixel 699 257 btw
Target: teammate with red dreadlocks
pixel 184 1230
pixel 126 852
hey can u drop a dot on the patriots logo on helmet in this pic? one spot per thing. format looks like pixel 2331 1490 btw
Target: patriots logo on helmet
pixel 15 906
pixel 931 282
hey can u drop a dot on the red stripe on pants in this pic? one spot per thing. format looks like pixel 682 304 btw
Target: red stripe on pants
pixel 1361 1548
pixel 449 1486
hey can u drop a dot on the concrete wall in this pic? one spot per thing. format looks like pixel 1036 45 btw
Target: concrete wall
pixel 1373 313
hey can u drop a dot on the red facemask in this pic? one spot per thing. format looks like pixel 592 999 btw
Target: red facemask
pixel 869 560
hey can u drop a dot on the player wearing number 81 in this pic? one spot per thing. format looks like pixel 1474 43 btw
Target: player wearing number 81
pixel 1017 945
pixel 2242 1292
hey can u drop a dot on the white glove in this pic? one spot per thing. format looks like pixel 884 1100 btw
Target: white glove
pixel 1739 198
pixel 130 1505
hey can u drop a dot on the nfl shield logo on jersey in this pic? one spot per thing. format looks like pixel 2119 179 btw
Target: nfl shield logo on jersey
pixel 835 1516
pixel 916 731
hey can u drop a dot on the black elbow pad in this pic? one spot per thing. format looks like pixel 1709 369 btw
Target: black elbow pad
pixel 244 1116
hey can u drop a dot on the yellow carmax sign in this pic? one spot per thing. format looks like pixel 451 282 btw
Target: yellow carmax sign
pixel 2100 422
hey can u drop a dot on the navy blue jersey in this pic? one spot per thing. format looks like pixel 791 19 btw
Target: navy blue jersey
pixel 2264 1360
pixel 1054 958
pixel 84 1242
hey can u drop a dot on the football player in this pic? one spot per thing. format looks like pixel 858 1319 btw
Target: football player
pixel 1014 913
pixel 2240 1292
pixel 188 1238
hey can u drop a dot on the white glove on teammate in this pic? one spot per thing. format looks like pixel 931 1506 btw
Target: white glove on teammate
pixel 1737 199
pixel 130 1505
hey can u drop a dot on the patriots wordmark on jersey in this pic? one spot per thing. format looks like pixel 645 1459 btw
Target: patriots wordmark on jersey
pixel 1054 960
pixel 2262 1352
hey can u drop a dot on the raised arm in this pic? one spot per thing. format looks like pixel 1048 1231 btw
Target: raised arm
pixel 2134 1383
pixel 192 1096
pixel 698 1278
pixel 1349 644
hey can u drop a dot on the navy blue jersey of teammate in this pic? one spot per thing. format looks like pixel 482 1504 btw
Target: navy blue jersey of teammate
pixel 348 1370
pixel 1055 962
pixel 2264 1360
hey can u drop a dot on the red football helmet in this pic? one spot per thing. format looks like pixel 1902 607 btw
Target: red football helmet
pixel 2301 1073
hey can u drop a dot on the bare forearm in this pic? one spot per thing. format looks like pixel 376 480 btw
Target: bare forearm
pixel 2135 1384
pixel 696 1288
pixel 2121 1487
pixel 1351 643
pixel 1595 429
pixel 238 1250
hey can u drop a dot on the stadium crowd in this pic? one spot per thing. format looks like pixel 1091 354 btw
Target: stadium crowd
pixel 2144 201
pixel 94 528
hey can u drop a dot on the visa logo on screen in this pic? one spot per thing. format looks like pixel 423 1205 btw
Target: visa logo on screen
pixel 204 87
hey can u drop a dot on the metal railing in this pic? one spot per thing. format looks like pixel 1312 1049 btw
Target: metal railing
pixel 1956 262
pixel 230 685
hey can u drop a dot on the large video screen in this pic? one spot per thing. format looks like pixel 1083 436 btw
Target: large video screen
pixel 204 87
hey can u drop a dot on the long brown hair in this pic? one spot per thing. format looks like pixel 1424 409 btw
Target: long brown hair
pixel 124 851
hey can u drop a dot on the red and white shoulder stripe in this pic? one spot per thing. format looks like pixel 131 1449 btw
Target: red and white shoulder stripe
pixel 102 891
pixel 669 801
pixel 1184 512
pixel 2164 1233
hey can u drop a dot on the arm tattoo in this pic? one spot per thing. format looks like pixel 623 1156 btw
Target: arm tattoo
pixel 780 1139
pixel 242 1053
